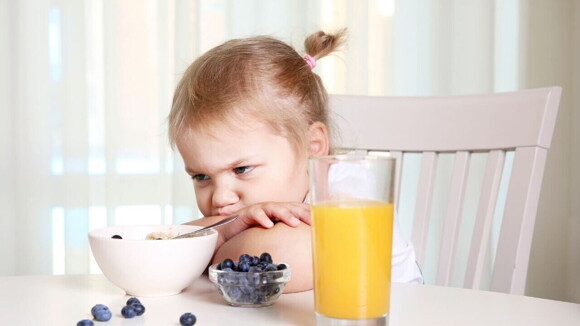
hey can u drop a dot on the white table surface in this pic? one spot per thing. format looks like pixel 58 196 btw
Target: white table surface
pixel 64 300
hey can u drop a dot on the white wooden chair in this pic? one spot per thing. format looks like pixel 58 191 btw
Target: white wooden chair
pixel 517 125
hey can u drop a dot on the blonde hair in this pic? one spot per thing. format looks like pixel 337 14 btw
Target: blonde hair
pixel 257 76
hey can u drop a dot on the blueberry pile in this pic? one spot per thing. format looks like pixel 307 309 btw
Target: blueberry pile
pixel 251 281
pixel 253 264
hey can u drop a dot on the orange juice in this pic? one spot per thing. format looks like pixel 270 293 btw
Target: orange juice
pixel 352 258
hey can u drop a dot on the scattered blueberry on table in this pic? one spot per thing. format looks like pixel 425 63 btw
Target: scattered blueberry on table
pixel 187 319
pixel 116 236
pixel 132 300
pixel 139 308
pixel 101 312
pixel 128 312
pixel 85 322
pixel 136 305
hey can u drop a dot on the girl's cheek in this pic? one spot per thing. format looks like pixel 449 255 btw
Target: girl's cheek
pixel 203 198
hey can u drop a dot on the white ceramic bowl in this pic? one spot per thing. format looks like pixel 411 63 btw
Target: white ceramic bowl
pixel 152 267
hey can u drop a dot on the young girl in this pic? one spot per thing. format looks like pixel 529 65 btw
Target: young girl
pixel 246 117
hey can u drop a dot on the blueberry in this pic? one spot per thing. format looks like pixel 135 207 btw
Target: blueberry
pixel 85 322
pixel 245 257
pixel 244 285
pixel 128 312
pixel 116 236
pixel 234 292
pixel 100 312
pixel 139 308
pixel 227 269
pixel 243 266
pixel 254 269
pixel 266 257
pixel 245 298
pixel 227 263
pixel 255 298
pixel 132 301
pixel 103 315
pixel 271 289
pixel 254 261
pixel 187 319
pixel 253 277
pixel 270 267
pixel 282 267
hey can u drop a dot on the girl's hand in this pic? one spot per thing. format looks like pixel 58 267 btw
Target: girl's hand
pixel 265 214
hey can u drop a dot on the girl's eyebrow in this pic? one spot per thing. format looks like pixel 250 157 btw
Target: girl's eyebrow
pixel 234 164
pixel 237 163
pixel 190 171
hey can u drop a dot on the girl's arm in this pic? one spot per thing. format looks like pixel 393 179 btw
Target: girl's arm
pixel 286 244
pixel 263 214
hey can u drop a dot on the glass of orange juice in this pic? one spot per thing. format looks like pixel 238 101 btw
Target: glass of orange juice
pixel 351 199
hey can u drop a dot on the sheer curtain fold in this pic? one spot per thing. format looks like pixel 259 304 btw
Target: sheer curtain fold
pixel 7 147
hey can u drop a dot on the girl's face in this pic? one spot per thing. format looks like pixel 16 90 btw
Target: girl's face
pixel 236 167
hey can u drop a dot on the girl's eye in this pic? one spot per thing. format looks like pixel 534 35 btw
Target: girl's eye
pixel 200 177
pixel 243 169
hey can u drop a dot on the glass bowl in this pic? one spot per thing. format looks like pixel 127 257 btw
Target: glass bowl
pixel 250 289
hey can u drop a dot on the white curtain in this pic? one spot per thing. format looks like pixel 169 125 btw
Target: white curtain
pixel 85 87
pixel 89 85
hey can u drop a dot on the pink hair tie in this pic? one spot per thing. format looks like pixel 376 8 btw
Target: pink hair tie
pixel 310 61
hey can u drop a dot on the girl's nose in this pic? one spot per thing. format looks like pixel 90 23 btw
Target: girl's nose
pixel 224 196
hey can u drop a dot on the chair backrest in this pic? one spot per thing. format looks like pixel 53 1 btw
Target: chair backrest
pixel 516 127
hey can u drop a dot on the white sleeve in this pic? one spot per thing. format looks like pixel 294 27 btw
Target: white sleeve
pixel 404 267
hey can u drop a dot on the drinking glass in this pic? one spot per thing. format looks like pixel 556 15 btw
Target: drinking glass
pixel 351 199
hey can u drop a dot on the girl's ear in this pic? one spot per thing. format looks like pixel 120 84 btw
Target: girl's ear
pixel 318 143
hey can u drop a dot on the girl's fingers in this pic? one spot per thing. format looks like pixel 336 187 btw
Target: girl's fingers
pixel 290 214
pixel 257 216
pixel 300 212
pixel 264 214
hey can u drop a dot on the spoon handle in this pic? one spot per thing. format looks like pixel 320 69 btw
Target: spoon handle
pixel 222 222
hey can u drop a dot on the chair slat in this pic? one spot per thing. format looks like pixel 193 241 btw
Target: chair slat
pixel 423 204
pixel 453 217
pixel 398 172
pixel 483 218
pixel 515 241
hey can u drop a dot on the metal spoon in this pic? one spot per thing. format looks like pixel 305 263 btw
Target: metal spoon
pixel 222 222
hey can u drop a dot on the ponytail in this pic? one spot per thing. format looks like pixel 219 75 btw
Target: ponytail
pixel 321 44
